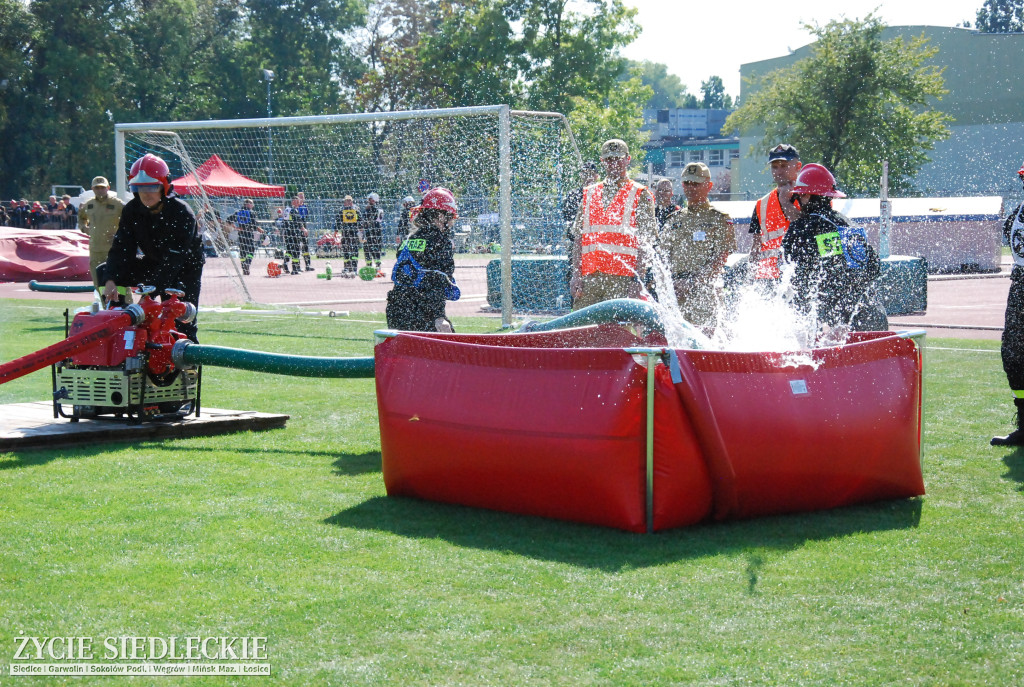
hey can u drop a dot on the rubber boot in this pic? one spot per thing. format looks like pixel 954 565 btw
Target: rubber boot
pixel 1016 437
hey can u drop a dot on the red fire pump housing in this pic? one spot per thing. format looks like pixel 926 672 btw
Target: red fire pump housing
pixel 120 363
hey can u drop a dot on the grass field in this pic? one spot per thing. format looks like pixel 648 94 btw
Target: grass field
pixel 288 534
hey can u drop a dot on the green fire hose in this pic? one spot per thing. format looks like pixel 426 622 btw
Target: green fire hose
pixel 187 353
pixel 625 310
pixel 60 288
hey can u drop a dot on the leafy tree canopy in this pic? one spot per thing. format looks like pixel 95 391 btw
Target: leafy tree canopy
pixel 857 100
pixel 714 95
pixel 669 92
pixel 620 116
pixel 69 70
pixel 1000 16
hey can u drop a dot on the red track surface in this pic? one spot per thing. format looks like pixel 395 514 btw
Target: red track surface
pixel 968 307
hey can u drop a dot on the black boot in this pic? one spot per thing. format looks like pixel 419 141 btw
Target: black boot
pixel 1016 437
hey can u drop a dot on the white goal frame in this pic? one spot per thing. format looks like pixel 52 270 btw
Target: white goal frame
pixel 503 113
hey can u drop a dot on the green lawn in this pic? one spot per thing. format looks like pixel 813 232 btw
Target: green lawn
pixel 288 534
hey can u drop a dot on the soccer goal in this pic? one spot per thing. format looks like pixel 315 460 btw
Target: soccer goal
pixel 509 170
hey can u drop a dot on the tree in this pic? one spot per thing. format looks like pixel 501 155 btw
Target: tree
pixel 69 70
pixel 304 43
pixel 855 101
pixel 714 95
pixel 388 45
pixel 1000 16
pixel 473 57
pixel 72 69
pixel 59 96
pixel 621 116
pixel 572 53
pixel 17 34
pixel 536 54
pixel 669 92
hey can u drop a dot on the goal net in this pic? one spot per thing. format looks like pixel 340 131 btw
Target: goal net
pixel 510 172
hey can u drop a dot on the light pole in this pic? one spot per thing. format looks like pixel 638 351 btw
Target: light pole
pixel 268 76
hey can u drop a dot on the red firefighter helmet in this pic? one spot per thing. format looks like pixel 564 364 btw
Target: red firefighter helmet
pixel 439 198
pixel 273 269
pixel 150 170
pixel 1020 172
pixel 817 181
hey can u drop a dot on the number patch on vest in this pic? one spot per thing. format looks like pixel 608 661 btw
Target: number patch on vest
pixel 829 244
pixel 416 245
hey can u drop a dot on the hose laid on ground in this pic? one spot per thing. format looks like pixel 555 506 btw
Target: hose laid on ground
pixel 60 288
pixel 187 353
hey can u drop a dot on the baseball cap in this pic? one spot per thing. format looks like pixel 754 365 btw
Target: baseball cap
pixel 99 181
pixel 614 148
pixel 696 172
pixel 783 151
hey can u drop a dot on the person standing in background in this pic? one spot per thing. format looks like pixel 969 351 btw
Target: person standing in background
pixel 99 218
pixel 773 214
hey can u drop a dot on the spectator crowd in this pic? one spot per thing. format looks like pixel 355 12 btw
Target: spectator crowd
pixel 56 214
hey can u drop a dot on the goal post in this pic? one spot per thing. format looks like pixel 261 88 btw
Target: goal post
pixel 509 170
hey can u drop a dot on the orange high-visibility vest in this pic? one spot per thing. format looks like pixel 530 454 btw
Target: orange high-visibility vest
pixel 609 241
pixel 774 224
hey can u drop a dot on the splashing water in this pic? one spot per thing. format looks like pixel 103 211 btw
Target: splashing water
pixel 752 318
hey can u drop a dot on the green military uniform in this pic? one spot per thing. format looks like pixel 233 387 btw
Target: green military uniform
pixel 694 240
pixel 99 219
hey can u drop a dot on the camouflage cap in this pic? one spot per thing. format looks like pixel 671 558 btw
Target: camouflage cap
pixel 696 172
pixel 100 181
pixel 614 148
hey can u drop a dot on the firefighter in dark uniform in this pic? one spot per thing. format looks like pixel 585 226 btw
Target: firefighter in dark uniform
pixel 245 223
pixel 373 233
pixel 291 233
pixel 835 265
pixel 157 241
pixel 347 223
pixel 424 272
pixel 300 219
pixel 1012 348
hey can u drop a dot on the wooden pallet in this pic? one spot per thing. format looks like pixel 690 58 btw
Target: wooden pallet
pixel 25 426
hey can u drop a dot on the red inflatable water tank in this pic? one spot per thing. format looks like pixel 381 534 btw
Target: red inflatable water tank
pixel 555 424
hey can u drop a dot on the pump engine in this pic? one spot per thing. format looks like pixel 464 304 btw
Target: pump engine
pixel 118 362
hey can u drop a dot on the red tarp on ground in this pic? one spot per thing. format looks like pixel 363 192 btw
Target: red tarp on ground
pixel 218 179
pixel 27 254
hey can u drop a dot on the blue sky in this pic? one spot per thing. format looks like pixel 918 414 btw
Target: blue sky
pixel 697 39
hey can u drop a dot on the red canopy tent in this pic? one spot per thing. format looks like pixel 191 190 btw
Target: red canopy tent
pixel 218 179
